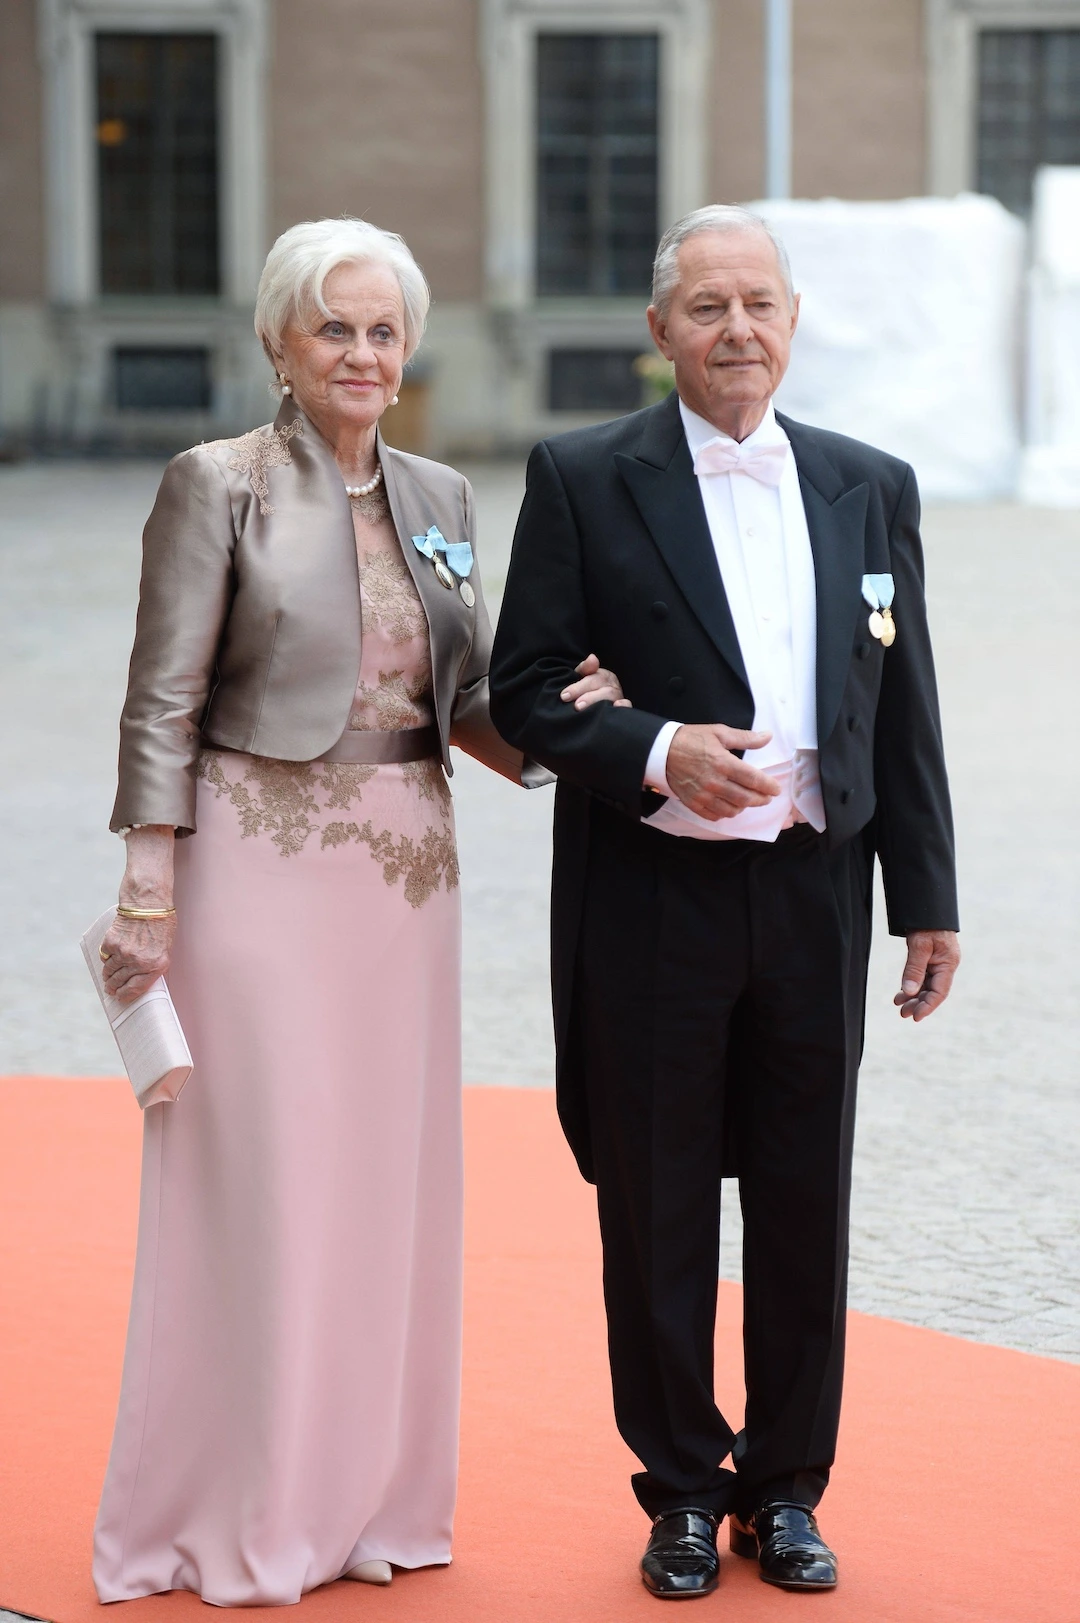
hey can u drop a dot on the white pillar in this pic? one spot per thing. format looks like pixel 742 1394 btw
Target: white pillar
pixel 1050 465
pixel 777 98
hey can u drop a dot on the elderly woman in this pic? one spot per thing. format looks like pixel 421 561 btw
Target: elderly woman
pixel 311 639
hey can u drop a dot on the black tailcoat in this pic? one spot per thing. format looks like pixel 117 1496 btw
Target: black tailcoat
pixel 613 556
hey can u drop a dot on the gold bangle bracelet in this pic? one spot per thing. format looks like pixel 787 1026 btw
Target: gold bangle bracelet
pixel 145 912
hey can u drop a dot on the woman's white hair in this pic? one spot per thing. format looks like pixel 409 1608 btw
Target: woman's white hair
pixel 714 217
pixel 291 284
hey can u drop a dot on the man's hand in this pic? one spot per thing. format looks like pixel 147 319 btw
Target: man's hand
pixel 595 684
pixel 932 960
pixel 709 779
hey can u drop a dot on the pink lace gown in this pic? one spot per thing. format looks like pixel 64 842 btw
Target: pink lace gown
pixel 290 1392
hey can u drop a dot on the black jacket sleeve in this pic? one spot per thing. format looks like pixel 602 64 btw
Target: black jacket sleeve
pixel 543 634
pixel 913 825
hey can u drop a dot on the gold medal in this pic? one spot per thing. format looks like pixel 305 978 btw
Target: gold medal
pixel 888 629
pixel 876 623
pixel 444 574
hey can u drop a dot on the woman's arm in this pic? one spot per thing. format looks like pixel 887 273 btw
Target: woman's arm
pixel 184 600
pixel 136 951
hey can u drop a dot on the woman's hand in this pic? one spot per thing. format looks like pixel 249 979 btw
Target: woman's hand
pixel 595 684
pixel 135 952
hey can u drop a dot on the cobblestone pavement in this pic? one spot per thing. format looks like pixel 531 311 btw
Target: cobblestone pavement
pixel 965 1211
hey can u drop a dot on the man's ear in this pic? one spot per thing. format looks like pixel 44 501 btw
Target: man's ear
pixel 658 328
pixel 795 303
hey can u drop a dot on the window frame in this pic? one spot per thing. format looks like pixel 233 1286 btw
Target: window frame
pixel 510 28
pixel 952 28
pixel 1016 170
pixel 66 32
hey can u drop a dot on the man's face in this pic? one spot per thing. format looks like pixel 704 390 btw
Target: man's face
pixel 728 325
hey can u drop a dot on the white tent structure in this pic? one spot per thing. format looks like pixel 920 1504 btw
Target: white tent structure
pixel 910 332
pixel 1050 466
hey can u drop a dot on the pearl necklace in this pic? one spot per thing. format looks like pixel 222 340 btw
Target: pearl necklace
pixel 355 492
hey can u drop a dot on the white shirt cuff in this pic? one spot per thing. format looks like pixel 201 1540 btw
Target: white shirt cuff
pixel 656 765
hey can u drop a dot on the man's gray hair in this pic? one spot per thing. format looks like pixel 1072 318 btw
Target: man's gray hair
pixel 291 285
pixel 714 217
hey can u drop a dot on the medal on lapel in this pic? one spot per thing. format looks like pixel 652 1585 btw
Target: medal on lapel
pixel 447 556
pixel 878 591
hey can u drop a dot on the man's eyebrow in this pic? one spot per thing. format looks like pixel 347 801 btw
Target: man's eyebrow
pixel 750 293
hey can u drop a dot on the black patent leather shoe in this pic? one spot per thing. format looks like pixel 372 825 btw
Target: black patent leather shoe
pixel 680 1560
pixel 790 1551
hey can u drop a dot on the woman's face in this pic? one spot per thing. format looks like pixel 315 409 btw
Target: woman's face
pixel 346 369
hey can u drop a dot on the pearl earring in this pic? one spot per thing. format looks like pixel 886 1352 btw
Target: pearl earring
pixel 394 401
pixel 286 386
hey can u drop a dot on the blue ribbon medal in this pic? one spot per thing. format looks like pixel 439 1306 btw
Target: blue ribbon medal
pixel 457 554
pixel 878 591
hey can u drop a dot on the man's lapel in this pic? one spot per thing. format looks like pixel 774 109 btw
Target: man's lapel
pixel 661 479
pixel 836 519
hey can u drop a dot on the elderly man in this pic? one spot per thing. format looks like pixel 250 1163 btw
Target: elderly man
pixel 758 586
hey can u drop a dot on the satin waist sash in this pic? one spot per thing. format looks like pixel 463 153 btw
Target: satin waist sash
pixel 385 749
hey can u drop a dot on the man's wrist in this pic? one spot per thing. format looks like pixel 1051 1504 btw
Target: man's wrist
pixel 656 765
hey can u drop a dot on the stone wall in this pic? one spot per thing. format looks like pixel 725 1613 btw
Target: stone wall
pixel 377 110
pixel 859 99
pixel 21 223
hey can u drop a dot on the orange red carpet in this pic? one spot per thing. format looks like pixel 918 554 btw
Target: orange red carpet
pixel 955 1499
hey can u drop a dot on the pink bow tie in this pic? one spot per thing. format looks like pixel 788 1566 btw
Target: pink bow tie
pixel 763 462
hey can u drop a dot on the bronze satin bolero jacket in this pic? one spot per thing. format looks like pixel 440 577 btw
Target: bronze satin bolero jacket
pixel 249 624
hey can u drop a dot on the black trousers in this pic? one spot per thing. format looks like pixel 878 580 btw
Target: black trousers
pixel 721 993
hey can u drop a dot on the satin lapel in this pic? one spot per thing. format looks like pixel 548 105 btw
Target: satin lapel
pixel 316 486
pixel 667 497
pixel 414 510
pixel 836 519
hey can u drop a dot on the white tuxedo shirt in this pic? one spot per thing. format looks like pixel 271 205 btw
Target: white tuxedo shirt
pixel 762 544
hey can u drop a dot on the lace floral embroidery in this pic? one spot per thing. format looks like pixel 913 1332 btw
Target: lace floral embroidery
pixel 430 780
pixel 281 805
pixel 342 781
pixel 256 453
pixel 279 799
pixel 395 704
pixel 424 865
pixel 391 601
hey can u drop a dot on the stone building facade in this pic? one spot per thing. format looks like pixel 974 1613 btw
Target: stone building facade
pixel 528 150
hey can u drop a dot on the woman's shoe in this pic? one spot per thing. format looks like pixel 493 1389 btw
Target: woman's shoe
pixel 370 1572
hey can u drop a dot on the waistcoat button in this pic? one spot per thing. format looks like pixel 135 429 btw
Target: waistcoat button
pixel 659 611
pixel 676 685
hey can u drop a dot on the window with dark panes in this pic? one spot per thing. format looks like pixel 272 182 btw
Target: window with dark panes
pixel 176 379
pixel 157 142
pixel 593 380
pixel 597 162
pixel 1029 108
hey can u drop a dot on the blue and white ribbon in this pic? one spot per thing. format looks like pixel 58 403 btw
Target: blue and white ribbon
pixel 878 591
pixel 458 554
